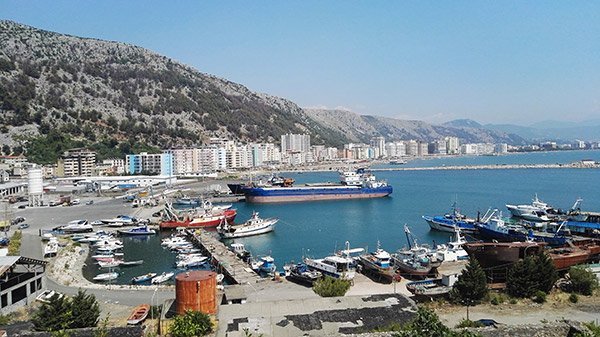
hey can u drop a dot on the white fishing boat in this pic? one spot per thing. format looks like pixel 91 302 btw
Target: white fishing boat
pixel 106 276
pixel 254 226
pixel 340 265
pixel 164 277
pixel 453 250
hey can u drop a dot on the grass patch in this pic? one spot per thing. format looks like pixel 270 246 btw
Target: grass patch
pixel 14 247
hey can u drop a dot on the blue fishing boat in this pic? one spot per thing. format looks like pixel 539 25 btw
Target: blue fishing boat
pixel 583 223
pixel 493 227
pixel 447 222
pixel 143 278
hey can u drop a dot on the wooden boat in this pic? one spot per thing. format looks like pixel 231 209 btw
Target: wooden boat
pixel 138 314
pixel 143 278
pixel 428 289
pixel 564 258
pixel 377 263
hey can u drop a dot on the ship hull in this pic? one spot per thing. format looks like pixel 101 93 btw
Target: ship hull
pixel 200 223
pixel 301 194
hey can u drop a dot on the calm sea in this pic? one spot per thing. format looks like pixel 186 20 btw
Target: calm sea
pixel 319 228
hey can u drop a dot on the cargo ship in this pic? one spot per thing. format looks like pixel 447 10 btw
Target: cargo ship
pixel 357 184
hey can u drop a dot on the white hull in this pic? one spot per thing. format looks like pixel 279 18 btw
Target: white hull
pixel 248 232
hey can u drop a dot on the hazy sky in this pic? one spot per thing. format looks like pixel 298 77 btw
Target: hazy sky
pixel 494 61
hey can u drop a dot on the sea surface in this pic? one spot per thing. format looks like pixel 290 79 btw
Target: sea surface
pixel 318 229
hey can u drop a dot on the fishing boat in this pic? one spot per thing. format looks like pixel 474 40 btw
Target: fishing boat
pixel 341 265
pixel 206 218
pixel 357 184
pixel 164 277
pixel 494 254
pixel 453 251
pixel 493 227
pixel 447 222
pixel 538 211
pixel 143 278
pixel 139 314
pixel 266 265
pixel 253 226
pixel 106 276
pixel 583 223
pixel 140 230
pixel 377 263
pixel 416 260
pixel 300 273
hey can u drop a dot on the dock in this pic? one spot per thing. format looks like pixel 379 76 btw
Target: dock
pixel 224 260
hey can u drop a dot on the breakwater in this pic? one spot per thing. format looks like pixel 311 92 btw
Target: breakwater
pixel 490 167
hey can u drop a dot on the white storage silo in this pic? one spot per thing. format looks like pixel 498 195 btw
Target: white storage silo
pixel 35 186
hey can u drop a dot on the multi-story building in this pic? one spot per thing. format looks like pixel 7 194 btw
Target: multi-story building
pixel 76 162
pixel 501 148
pixel 378 144
pixel 422 149
pixel 452 145
pixel 412 148
pixel 295 143
pixel 149 163
pixel 578 144
pixel 438 147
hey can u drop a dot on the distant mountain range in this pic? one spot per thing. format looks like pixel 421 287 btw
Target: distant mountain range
pixel 92 92
pixel 542 131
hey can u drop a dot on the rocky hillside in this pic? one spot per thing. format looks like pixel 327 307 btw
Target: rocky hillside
pixel 58 91
pixel 93 90
pixel 360 128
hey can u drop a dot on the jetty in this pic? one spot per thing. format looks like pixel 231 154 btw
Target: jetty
pixel 224 260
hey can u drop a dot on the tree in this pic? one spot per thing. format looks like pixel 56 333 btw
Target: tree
pixel 85 310
pixel 583 281
pixel 193 323
pixel 53 316
pixel 331 287
pixel 533 273
pixel 471 286
pixel 63 313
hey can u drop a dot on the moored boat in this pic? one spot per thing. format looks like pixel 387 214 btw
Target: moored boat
pixel 106 276
pixel 341 265
pixel 207 218
pixel 447 222
pixel 138 314
pixel 143 278
pixel 253 226
pixel 140 230
pixel 302 274
pixel 164 277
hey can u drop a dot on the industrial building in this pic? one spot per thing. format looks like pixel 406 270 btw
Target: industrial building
pixel 21 280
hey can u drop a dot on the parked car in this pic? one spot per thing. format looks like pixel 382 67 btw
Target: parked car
pixel 4 242
pixel 488 322
pixel 89 202
pixel 23 226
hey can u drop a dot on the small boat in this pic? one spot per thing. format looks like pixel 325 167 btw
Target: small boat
pixel 77 226
pixel 110 263
pixel 164 277
pixel 193 261
pixel 138 314
pixel 253 226
pixel 417 260
pixel 429 289
pixel 106 276
pixel 47 295
pixel 143 278
pixel 265 264
pixel 51 248
pixel 120 220
pixel 131 263
pixel 140 230
pixel 302 274
pixel 377 263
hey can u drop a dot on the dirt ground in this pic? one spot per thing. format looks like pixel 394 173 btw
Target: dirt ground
pixel 524 311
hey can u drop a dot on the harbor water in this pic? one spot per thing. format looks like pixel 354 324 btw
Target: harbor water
pixel 317 229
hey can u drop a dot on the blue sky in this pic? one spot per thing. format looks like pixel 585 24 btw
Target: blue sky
pixel 495 62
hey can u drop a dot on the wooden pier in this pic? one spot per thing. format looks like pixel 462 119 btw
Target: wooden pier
pixel 224 260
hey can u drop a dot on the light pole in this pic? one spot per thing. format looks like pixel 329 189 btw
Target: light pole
pixel 152 303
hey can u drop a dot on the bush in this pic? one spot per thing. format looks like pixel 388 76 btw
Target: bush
pixel 193 323
pixel 331 287
pixel 427 324
pixel 14 247
pixel 539 297
pixel 583 281
pixel 573 298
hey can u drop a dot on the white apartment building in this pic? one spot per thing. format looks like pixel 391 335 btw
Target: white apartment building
pixel 378 144
pixel 295 143
pixel 412 148
pixel 452 145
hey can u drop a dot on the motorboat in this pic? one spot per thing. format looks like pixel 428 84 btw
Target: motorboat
pixel 164 277
pixel 106 276
pixel 266 264
pixel 110 263
pixel 143 278
pixel 77 226
pixel 131 263
pixel 193 261
pixel 51 248
pixel 253 226
pixel 139 314
pixel 341 265
pixel 377 263
pixel 120 219
pixel 537 211
pixel 47 295
pixel 140 230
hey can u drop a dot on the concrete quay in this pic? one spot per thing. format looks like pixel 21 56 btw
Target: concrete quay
pixel 224 260
pixel 489 167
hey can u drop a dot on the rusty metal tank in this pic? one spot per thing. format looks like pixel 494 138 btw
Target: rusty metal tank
pixel 197 291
